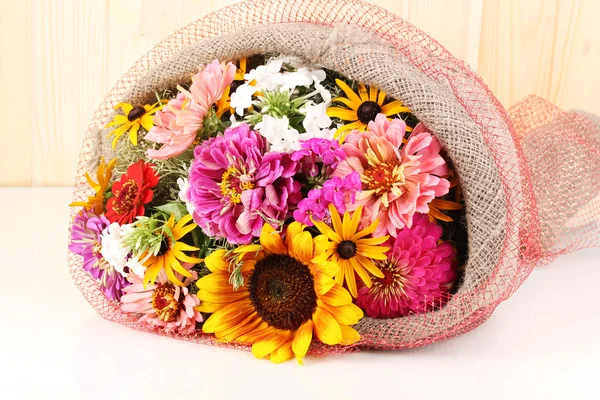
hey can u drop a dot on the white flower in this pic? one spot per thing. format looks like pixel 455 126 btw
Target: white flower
pixel 184 185
pixel 325 94
pixel 328 134
pixel 266 76
pixel 242 98
pixel 112 247
pixel 278 133
pixel 114 252
pixel 316 118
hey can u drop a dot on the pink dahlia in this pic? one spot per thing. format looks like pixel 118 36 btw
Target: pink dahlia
pixel 397 180
pixel 235 185
pixel 163 304
pixel 418 273
pixel 180 120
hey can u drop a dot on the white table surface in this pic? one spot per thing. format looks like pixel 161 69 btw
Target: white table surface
pixel 544 342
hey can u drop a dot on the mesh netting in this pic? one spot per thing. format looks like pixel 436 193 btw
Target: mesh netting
pixel 529 181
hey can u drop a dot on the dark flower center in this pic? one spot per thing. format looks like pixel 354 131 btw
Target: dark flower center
pixel 125 198
pixel 164 247
pixel 367 111
pixel 346 249
pixel 282 291
pixel 136 112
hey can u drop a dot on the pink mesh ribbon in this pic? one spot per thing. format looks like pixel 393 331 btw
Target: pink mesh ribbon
pixel 547 163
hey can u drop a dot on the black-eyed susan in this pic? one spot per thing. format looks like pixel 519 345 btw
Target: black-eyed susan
pixel 362 107
pixel 286 299
pixel 170 252
pixel 350 249
pixel 95 202
pixel 132 119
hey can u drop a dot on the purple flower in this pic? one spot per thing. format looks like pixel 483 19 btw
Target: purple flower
pixel 86 240
pixel 339 191
pixel 325 151
pixel 234 185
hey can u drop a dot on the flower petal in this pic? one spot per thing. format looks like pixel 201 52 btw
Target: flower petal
pixel 302 340
pixel 327 328
pixel 271 240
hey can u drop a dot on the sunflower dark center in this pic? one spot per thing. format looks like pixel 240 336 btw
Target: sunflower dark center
pixel 282 291
pixel 346 249
pixel 367 111
pixel 135 113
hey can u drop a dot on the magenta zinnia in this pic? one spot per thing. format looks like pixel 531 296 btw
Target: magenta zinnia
pixel 397 180
pixel 235 185
pixel 418 273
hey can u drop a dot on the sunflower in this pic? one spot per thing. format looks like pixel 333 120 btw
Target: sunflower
pixel 438 205
pixel 350 249
pixel 95 203
pixel 363 107
pixel 131 120
pixel 171 252
pixel 287 298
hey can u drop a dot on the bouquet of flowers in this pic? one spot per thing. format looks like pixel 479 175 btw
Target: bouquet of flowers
pixel 329 185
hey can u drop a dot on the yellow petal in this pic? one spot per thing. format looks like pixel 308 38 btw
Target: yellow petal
pixel 370 266
pixel 302 340
pixel 351 279
pixel 224 298
pixel 184 220
pixel 366 232
pixel 393 108
pixel 342 131
pixel 302 247
pixel 179 233
pixel 241 328
pixel 373 92
pixel 349 336
pixel 147 122
pixel 347 102
pixel 133 133
pixel 282 353
pixel 327 328
pixel 362 92
pixel 216 261
pixel 381 97
pixel 184 247
pixel 153 270
pixel 293 229
pixel 337 296
pixel 215 283
pixel 327 231
pixel 126 107
pixel 271 240
pixel 323 283
pixel 227 316
pixel 348 314
pixel 336 221
pixel 265 347
pixel 185 258
pixel 174 263
pixel 342 113
pixel 349 92
pixel 360 270
pixel 327 268
pixel 207 307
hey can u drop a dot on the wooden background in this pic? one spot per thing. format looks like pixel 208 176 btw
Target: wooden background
pixel 58 58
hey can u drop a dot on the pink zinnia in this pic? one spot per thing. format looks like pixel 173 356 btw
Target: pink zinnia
pixel 397 180
pixel 417 274
pixel 235 185
pixel 163 304
pixel 180 120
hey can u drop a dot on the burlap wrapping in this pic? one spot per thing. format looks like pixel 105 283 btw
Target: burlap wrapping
pixel 518 212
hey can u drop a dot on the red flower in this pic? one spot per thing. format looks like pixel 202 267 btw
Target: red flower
pixel 131 193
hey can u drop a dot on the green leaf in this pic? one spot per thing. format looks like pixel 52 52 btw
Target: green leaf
pixel 173 208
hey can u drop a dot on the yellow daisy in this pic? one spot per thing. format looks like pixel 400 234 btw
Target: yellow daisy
pixel 350 249
pixel 171 253
pixel 287 297
pixel 95 203
pixel 132 119
pixel 362 107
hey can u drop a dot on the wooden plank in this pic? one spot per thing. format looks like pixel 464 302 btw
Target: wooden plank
pixel 15 86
